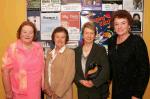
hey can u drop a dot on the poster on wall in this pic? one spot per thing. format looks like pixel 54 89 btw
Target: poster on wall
pixel 50 5
pixel 49 21
pixel 71 21
pixel 33 4
pixel 70 5
pixel 101 20
pixel 72 44
pixel 111 5
pixel 137 22
pixel 34 17
pixel 91 4
pixel 133 5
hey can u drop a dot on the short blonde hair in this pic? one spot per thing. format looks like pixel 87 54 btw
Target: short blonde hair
pixel 89 25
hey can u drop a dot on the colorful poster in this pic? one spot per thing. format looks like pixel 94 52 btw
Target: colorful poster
pixel 49 21
pixel 70 5
pixel 91 4
pixel 33 4
pixel 133 5
pixel 71 21
pixel 111 5
pixel 50 5
pixel 101 20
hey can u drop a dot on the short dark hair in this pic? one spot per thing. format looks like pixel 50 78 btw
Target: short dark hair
pixel 136 14
pixel 122 14
pixel 60 29
pixel 89 25
pixel 28 23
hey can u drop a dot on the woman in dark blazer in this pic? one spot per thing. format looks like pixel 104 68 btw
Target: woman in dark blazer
pixel 85 55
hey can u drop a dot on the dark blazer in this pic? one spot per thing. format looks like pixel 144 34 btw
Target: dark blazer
pixel 97 55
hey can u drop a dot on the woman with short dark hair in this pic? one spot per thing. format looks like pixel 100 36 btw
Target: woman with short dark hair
pixel 60 67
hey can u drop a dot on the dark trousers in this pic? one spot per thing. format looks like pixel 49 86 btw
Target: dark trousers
pixel 101 92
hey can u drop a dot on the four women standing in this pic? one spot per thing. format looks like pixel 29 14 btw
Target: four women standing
pixel 23 64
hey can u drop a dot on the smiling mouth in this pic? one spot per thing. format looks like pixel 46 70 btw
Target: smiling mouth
pixel 27 38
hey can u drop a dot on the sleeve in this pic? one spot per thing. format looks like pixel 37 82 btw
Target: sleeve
pixel 142 61
pixel 109 58
pixel 7 59
pixel 103 76
pixel 68 77
pixel 77 78
pixel 46 82
pixel 77 73
pixel 43 66
pixel 6 68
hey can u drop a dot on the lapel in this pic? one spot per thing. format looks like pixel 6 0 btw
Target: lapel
pixel 49 57
pixel 90 58
pixel 79 60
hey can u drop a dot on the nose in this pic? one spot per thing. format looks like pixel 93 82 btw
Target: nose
pixel 119 26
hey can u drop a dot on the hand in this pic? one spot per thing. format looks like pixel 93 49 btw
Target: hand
pixel 133 97
pixel 90 83
pixel 84 82
pixel 87 83
pixel 49 92
pixel 9 95
pixel 54 96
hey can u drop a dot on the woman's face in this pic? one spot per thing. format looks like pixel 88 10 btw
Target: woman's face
pixel 88 35
pixel 60 39
pixel 121 26
pixel 27 34
pixel 136 17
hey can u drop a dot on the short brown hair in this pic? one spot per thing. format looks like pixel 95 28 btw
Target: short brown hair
pixel 122 14
pixel 28 23
pixel 60 29
pixel 89 25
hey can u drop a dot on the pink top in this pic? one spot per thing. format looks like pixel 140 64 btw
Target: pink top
pixel 27 68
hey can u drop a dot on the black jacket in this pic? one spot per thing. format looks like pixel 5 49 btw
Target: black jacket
pixel 129 63
pixel 97 55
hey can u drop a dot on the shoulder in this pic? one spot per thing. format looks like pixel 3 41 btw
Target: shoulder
pixel 37 45
pixel 69 51
pixel 138 40
pixel 78 49
pixel 12 47
pixel 136 37
pixel 98 47
pixel 111 39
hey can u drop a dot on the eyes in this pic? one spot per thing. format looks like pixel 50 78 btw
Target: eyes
pixel 120 23
pixel 89 33
pixel 27 32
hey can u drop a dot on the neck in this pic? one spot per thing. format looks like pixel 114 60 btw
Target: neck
pixel 27 45
pixel 122 38
pixel 88 44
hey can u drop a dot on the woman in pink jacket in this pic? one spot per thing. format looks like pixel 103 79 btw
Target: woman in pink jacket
pixel 23 65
